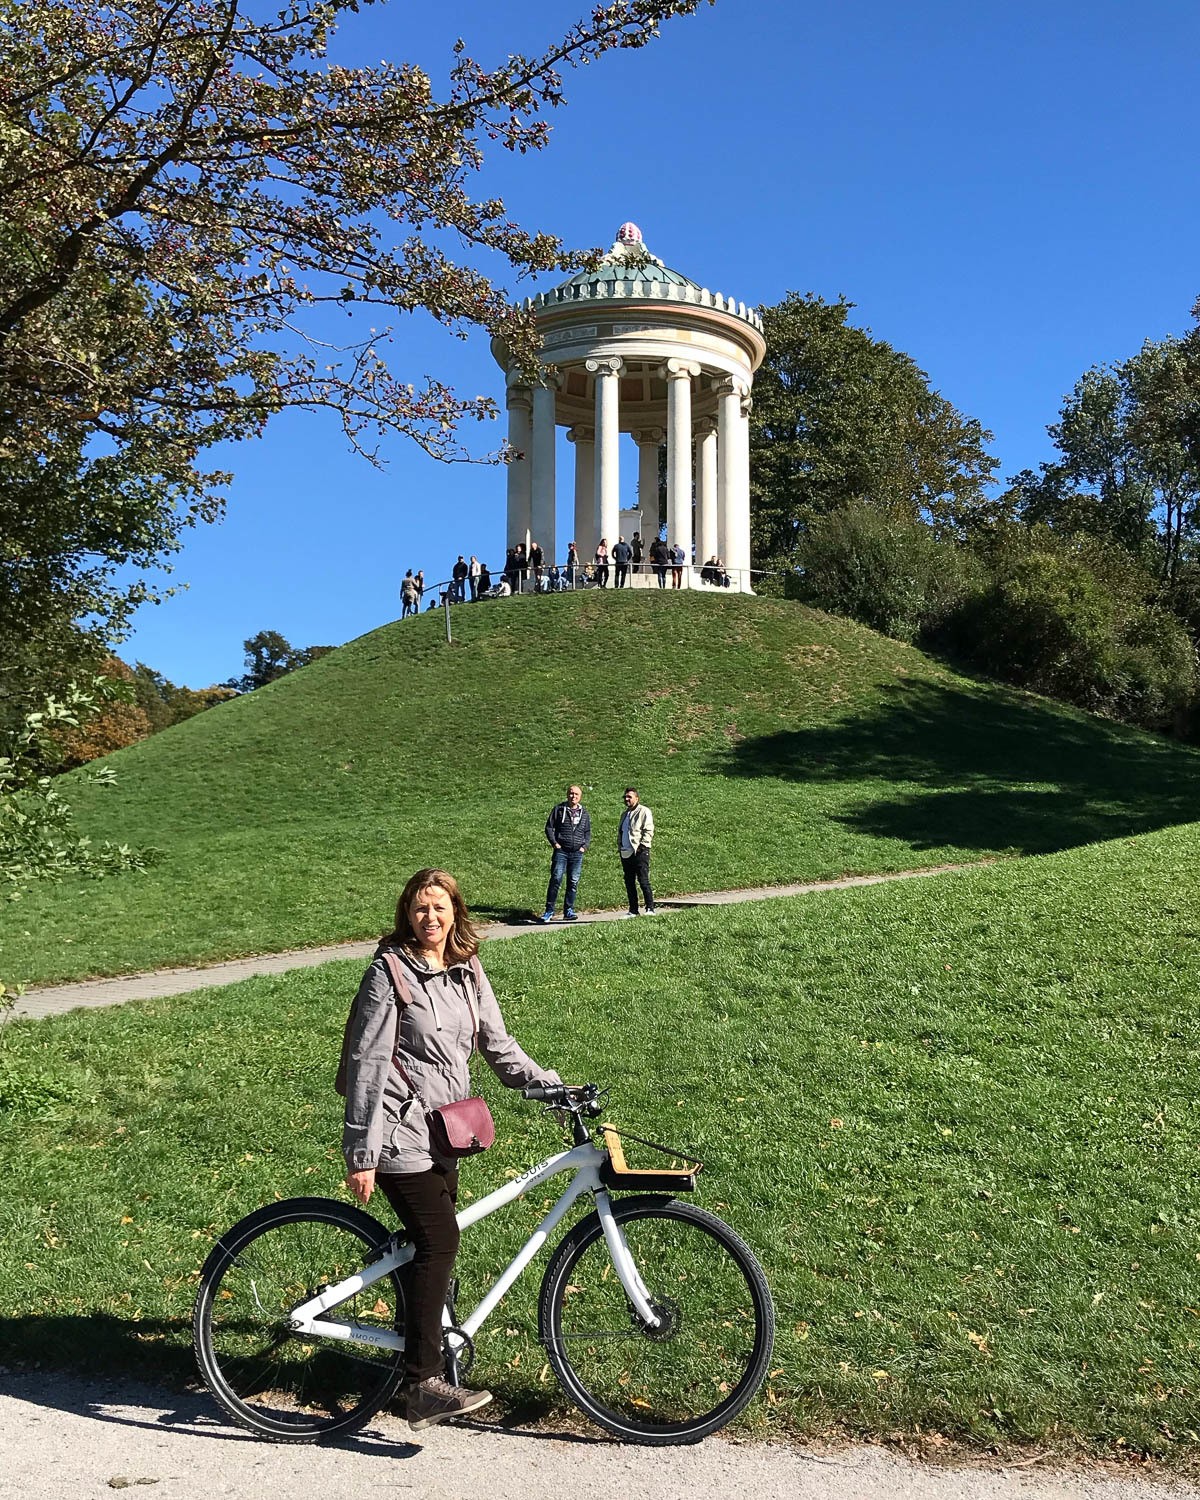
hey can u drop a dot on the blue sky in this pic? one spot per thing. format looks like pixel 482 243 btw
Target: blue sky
pixel 1006 191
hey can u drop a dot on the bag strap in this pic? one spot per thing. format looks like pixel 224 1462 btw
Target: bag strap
pixel 404 996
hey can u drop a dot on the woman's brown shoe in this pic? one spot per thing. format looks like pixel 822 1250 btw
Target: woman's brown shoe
pixel 436 1400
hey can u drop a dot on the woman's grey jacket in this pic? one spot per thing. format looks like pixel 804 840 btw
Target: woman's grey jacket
pixel 385 1127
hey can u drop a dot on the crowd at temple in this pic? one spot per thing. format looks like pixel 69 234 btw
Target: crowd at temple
pixel 531 572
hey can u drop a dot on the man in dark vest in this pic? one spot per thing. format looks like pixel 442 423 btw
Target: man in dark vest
pixel 568 832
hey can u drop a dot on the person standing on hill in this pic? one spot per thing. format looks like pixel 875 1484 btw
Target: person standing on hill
pixel 637 549
pixel 568 832
pixel 410 599
pixel 602 563
pixel 473 577
pixel 677 562
pixel 458 581
pixel 659 557
pixel 622 556
pixel 634 838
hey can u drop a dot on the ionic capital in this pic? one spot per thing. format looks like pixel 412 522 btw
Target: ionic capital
pixel 680 369
pixel 612 366
pixel 731 387
pixel 704 427
pixel 581 434
pixel 649 435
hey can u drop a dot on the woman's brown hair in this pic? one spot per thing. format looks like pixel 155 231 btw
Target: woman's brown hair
pixel 462 942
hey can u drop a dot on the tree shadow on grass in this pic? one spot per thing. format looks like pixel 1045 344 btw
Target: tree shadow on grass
pixel 993 770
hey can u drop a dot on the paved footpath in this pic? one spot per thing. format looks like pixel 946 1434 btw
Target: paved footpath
pixel 52 1000
pixel 64 1437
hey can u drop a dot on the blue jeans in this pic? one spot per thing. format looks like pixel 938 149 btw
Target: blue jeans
pixel 568 862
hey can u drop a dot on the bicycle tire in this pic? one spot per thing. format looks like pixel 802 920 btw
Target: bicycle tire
pixel 286 1386
pixel 692 1376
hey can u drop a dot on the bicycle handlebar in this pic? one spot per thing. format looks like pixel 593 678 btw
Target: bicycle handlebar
pixel 583 1099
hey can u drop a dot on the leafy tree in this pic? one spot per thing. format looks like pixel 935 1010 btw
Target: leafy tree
pixel 119 721
pixel 840 416
pixel 1129 471
pixel 192 193
pixel 270 656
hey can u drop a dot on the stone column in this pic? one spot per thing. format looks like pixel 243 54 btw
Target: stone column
pixel 541 519
pixel 649 441
pixel 585 536
pixel 608 447
pixel 520 438
pixel 733 480
pixel 679 375
pixel 707 535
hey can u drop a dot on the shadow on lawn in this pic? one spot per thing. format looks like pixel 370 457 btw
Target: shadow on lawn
pixel 1001 771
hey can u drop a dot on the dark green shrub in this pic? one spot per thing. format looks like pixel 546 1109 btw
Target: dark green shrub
pixel 1074 621
pixel 890 573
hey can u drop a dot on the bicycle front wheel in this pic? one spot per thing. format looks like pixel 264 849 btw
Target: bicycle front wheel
pixel 284 1385
pixel 701 1365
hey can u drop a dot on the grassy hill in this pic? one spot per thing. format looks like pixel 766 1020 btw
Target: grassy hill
pixel 772 742
pixel 957 1118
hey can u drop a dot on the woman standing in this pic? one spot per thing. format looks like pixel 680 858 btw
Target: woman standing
pixel 602 563
pixel 449 1009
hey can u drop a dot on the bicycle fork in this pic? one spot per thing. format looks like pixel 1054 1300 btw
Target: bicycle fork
pixel 624 1264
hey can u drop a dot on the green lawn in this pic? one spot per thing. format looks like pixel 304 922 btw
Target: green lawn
pixel 957 1118
pixel 773 743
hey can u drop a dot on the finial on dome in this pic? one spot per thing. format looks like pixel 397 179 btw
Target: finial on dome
pixel 629 234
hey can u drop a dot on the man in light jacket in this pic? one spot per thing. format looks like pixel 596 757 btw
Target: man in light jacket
pixel 634 838
pixel 568 832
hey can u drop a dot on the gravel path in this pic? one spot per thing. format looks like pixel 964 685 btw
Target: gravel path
pixel 52 1000
pixel 62 1437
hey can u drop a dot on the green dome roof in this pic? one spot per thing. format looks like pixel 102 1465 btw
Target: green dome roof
pixel 630 271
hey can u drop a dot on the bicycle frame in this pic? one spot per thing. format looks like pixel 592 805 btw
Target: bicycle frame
pixel 584 1161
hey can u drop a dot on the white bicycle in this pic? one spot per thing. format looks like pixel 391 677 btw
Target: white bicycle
pixel 655 1316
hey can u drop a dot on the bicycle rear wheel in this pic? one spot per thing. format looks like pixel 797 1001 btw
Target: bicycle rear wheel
pixel 287 1386
pixel 700 1367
